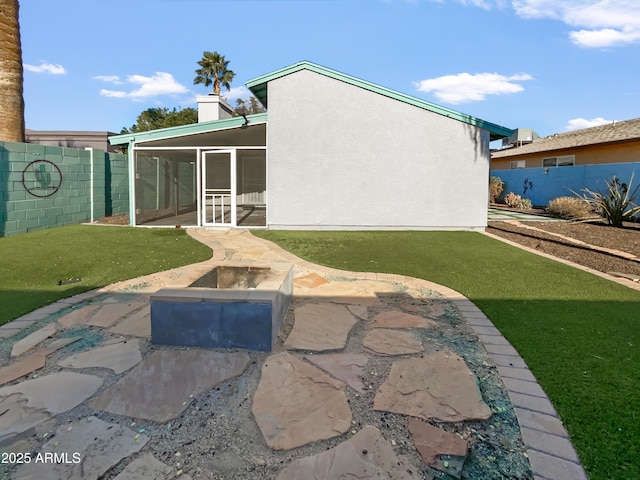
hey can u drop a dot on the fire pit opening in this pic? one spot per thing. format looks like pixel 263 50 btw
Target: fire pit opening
pixel 236 277
pixel 229 306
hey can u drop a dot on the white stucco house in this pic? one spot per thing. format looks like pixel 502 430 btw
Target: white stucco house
pixel 332 152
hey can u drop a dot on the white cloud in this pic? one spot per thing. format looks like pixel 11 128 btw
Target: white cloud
pixel 465 87
pixel 46 68
pixel 580 123
pixel 109 79
pixel 599 23
pixel 606 37
pixel 595 23
pixel 161 83
pixel 486 4
pixel 112 93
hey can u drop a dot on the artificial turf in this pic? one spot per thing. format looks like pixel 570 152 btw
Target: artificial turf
pixel 32 265
pixel 579 333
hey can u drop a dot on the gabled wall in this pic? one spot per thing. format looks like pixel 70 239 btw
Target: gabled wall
pixel 341 157
pixel 21 212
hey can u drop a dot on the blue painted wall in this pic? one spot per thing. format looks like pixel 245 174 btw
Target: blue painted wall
pixel 543 184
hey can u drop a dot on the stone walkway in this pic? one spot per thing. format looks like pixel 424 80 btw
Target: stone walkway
pixel 373 376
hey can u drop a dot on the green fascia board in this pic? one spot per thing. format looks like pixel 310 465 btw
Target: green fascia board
pixel 258 86
pixel 183 130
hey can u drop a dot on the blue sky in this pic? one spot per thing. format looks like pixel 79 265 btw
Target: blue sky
pixel 550 65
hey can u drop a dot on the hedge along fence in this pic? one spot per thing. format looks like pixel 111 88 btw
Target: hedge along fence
pixel 43 186
pixel 541 185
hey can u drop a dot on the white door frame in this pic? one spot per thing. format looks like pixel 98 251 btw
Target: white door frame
pixel 215 200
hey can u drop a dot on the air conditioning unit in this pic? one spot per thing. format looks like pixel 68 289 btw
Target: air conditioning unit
pixel 521 136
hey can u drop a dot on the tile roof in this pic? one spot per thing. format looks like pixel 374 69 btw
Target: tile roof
pixel 609 133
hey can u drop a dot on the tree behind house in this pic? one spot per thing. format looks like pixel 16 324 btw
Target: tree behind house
pixel 155 118
pixel 11 74
pixel 248 107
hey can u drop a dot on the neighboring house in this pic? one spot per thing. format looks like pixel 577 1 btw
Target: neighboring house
pixel 71 139
pixel 617 142
pixel 333 152
pixel 588 159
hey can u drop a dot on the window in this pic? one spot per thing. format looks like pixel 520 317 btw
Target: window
pixel 562 161
pixel 517 164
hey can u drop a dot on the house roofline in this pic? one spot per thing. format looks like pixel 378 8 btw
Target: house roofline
pixel 515 152
pixel 627 131
pixel 184 130
pixel 258 86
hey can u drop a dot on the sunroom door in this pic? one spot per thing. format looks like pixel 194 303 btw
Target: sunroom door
pixel 219 188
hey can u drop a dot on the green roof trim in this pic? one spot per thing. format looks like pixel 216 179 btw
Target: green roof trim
pixel 258 87
pixel 183 130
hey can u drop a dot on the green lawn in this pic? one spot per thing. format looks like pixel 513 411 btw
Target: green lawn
pixel 579 334
pixel 32 264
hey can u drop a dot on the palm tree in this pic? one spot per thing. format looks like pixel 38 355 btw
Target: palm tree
pixel 248 107
pixel 11 74
pixel 213 69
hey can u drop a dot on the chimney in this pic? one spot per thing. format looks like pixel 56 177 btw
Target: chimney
pixel 212 107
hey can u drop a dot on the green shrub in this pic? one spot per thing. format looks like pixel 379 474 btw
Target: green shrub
pixel 618 204
pixel 516 201
pixel 496 187
pixel 570 207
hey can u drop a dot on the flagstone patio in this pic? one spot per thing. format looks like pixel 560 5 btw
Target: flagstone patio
pixel 359 359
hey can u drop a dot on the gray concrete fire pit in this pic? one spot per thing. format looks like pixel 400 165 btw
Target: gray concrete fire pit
pixel 229 306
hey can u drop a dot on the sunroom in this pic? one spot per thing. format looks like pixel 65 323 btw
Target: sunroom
pixel 212 173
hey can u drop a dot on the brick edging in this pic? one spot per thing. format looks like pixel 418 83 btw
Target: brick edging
pixel 16 325
pixel 551 453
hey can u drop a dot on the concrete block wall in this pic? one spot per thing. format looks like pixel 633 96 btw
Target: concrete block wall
pixel 115 183
pixel 541 185
pixel 22 212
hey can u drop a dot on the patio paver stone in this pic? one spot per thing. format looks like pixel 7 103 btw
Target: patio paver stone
pixel 31 402
pixel 320 326
pixel 422 387
pixel 143 392
pixel 118 357
pixel 384 341
pixel 367 455
pixel 296 403
pixel 437 446
pixel 348 367
pixel 35 338
pixel 90 447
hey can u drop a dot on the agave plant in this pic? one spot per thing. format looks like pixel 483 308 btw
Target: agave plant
pixel 618 204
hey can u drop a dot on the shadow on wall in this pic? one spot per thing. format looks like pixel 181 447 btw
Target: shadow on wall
pixel 4 189
pixel 480 140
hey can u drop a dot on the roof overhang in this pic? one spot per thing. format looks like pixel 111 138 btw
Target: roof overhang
pixel 188 130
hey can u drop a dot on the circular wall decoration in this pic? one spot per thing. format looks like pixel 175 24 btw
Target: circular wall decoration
pixel 41 178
